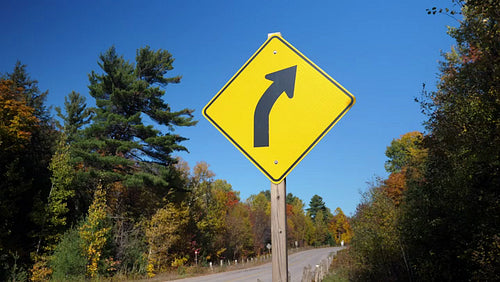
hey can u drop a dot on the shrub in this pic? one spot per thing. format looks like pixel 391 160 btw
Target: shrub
pixel 68 262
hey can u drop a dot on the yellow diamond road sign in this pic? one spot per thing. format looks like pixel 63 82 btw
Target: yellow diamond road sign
pixel 277 107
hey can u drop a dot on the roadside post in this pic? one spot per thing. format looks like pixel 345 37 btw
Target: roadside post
pixel 278 231
pixel 275 109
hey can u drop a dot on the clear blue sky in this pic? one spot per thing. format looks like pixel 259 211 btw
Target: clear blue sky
pixel 381 51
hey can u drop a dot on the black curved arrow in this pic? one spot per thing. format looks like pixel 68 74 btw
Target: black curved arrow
pixel 283 81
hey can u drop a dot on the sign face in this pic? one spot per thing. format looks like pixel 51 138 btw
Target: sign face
pixel 277 107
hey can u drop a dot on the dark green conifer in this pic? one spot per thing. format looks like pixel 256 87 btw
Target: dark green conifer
pixel 122 146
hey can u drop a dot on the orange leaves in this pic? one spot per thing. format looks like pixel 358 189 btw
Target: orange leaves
pixel 472 55
pixel 16 118
pixel 232 199
pixel 395 185
pixel 407 156
pixel 289 210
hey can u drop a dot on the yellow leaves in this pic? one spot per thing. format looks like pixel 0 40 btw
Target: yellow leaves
pixel 202 173
pixel 93 232
pixel 407 156
pixel 61 191
pixel 150 270
pixel 406 151
pixel 340 227
pixel 17 120
pixel 164 231
pixel 179 261
pixel 260 202
pixel 41 270
pixel 220 252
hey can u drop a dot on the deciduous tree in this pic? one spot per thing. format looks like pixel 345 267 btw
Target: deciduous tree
pixel 340 227
pixel 239 232
pixel 26 146
pixel 165 233
pixel 405 151
pixel 260 217
pixel 94 231
pixel 17 119
pixel 297 222
pixel 451 221
pixel 17 122
pixel 376 247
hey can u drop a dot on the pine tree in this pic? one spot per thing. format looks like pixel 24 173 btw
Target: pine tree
pixel 316 205
pixel 76 115
pixel 36 159
pixel 31 93
pixel 118 144
pixel 129 143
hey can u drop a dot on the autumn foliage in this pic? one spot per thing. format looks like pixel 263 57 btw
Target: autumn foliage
pixel 17 119
pixel 435 218
pixel 99 192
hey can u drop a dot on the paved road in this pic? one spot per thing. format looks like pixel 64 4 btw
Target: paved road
pixel 263 273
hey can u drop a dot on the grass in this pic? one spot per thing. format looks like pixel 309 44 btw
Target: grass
pixel 336 277
pixel 193 271
pixel 340 267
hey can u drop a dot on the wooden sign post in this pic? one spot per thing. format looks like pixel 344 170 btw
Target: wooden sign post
pixel 278 232
pixel 311 104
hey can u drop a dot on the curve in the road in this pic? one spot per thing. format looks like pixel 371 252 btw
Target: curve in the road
pixel 263 273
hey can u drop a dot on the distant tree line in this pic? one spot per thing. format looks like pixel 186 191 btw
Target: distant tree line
pixel 98 191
